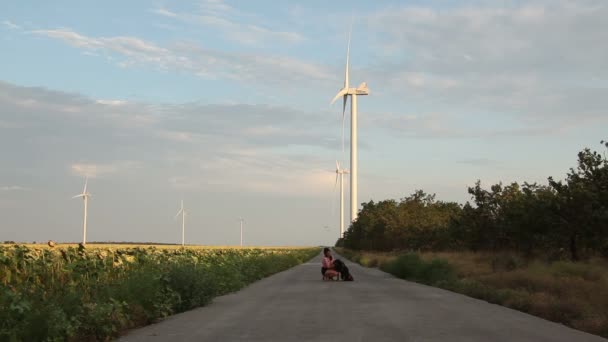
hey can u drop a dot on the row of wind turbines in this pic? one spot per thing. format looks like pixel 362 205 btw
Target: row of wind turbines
pixel 85 195
pixel 346 92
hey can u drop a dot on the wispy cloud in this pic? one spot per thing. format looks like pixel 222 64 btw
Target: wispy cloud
pixel 535 59
pixel 11 25
pixel 195 145
pixel 449 125
pixel 478 161
pixel 14 188
pixel 164 12
pixel 257 171
pixel 231 24
pixel 112 102
pixel 190 57
pixel 95 170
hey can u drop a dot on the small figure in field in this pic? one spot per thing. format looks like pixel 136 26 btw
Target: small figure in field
pixel 327 266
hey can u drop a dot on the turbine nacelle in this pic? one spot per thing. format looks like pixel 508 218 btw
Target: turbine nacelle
pixel 339 171
pixel 362 89
pixel 181 211
pixel 84 193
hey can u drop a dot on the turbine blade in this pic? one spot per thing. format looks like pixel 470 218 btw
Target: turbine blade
pixel 343 118
pixel 337 165
pixel 342 92
pixel 179 212
pixel 333 197
pixel 81 195
pixel 348 58
pixel 86 181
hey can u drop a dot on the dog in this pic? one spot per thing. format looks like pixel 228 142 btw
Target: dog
pixel 343 270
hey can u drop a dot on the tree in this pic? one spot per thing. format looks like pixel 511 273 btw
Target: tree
pixel 582 203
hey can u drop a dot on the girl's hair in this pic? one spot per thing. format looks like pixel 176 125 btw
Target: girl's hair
pixel 325 250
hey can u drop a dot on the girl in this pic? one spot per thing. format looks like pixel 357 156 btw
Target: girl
pixel 327 266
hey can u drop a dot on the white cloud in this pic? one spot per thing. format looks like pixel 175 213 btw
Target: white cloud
pixel 257 171
pixel 164 12
pixel 112 102
pixel 190 57
pixel 14 188
pixel 196 145
pixel 95 170
pixel 11 25
pixel 178 136
pixel 231 23
pixel 508 68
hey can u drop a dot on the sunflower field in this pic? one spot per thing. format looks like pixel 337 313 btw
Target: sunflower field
pixel 94 294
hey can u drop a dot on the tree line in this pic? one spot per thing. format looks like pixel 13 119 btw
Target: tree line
pixel 561 219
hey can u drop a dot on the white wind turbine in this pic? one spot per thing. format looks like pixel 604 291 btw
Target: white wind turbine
pixel 85 196
pixel 242 220
pixel 345 92
pixel 340 174
pixel 183 212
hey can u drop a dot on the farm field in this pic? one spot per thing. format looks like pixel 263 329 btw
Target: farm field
pixel 70 293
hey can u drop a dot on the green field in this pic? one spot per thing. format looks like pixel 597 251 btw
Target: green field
pixel 95 293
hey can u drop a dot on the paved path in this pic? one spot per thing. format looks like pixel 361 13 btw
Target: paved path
pixel 296 305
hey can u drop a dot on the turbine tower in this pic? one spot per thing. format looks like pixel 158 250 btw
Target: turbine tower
pixel 183 212
pixel 242 220
pixel 345 92
pixel 340 173
pixel 85 196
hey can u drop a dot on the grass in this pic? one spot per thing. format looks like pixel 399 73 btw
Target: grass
pixel 574 294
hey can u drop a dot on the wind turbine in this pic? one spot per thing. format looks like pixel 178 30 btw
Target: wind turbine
pixel 183 212
pixel 340 173
pixel 85 196
pixel 345 92
pixel 242 220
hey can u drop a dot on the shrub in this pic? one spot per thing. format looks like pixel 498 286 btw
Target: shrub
pixel 411 267
pixel 506 262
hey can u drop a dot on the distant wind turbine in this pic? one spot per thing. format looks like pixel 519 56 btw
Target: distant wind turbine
pixel 344 93
pixel 242 220
pixel 340 173
pixel 183 212
pixel 85 196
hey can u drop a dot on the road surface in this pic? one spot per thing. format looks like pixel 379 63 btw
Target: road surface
pixel 296 305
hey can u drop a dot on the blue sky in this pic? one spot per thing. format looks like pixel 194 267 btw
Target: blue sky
pixel 226 104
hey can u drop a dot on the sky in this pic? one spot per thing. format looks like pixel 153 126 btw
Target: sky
pixel 225 104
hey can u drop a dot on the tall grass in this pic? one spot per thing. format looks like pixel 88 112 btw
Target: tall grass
pixel 574 294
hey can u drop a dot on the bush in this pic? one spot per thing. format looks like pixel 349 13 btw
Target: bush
pixel 506 262
pixel 411 267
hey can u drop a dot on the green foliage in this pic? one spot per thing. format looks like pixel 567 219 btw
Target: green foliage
pixel 563 219
pixel 94 294
pixel 416 222
pixel 410 266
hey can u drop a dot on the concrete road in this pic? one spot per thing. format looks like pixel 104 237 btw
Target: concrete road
pixel 296 305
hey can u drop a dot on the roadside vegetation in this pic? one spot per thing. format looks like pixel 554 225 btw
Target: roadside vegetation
pixel 571 293
pixel 538 248
pixel 94 294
